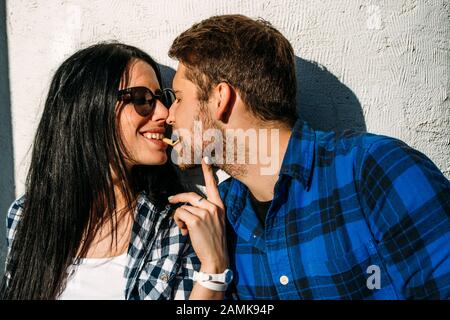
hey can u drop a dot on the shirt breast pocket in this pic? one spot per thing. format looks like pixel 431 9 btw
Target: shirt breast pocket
pixel 159 275
pixel 358 274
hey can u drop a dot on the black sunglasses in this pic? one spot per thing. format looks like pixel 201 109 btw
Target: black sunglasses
pixel 144 100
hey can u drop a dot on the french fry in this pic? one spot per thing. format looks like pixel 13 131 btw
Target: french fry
pixel 170 142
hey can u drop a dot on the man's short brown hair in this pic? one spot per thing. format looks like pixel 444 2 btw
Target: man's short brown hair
pixel 251 55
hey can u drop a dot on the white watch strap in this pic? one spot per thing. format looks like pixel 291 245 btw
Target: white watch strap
pixel 221 280
pixel 202 276
pixel 213 286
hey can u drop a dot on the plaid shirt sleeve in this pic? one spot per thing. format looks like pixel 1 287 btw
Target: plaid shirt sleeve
pixel 406 200
pixel 12 219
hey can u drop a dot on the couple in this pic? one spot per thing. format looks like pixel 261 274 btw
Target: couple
pixel 104 216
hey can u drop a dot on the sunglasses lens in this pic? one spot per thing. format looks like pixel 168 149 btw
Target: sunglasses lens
pixel 143 109
pixel 143 101
pixel 168 97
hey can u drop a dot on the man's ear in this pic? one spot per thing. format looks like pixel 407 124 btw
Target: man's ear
pixel 225 103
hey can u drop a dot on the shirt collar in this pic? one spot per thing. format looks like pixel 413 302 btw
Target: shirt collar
pixel 299 156
pixel 297 163
pixel 147 221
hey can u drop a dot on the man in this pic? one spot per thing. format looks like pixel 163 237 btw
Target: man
pixel 316 215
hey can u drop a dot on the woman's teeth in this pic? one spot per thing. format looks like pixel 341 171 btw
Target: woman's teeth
pixel 160 136
pixel 157 136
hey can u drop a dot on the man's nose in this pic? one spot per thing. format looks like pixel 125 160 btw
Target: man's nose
pixel 171 117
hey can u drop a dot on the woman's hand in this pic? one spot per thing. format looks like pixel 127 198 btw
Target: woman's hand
pixel 204 220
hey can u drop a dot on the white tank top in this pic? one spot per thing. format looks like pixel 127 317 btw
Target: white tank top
pixel 97 279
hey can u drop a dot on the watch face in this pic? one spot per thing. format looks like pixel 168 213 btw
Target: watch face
pixel 228 276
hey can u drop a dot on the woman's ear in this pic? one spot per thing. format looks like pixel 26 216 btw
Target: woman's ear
pixel 225 103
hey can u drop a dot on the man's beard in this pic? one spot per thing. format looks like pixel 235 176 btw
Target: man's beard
pixel 189 144
pixel 204 117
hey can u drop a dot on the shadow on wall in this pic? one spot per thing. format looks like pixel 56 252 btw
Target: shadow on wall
pixel 167 74
pixel 325 102
pixel 6 143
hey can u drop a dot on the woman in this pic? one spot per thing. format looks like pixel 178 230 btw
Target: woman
pixel 95 222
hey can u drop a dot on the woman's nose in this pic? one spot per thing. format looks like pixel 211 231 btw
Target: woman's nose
pixel 160 113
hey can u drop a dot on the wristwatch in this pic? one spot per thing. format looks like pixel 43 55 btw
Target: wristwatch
pixel 214 281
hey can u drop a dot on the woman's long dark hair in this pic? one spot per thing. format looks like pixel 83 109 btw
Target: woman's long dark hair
pixel 69 189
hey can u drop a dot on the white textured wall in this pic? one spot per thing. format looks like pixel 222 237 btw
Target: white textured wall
pixel 383 66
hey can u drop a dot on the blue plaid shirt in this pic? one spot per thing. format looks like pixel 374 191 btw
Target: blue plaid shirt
pixel 354 216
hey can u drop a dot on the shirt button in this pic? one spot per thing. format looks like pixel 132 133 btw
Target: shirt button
pixel 164 277
pixel 284 280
